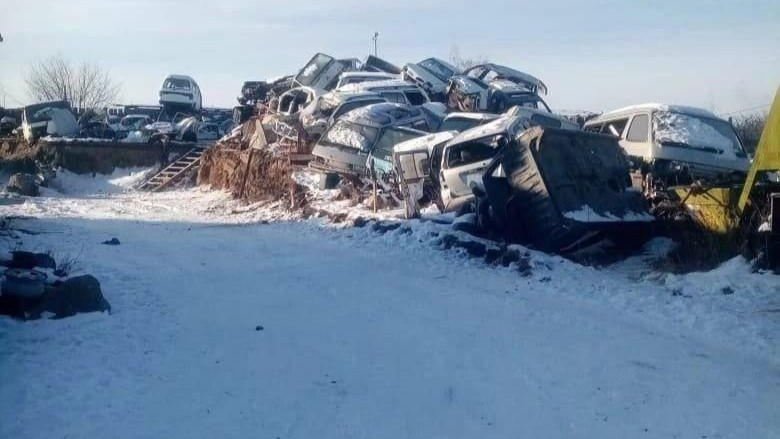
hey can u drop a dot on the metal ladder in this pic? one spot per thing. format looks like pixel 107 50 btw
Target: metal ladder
pixel 174 171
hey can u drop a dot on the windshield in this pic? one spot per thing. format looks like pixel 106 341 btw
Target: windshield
pixel 391 137
pixel 685 130
pixel 351 135
pixel 177 84
pixel 310 72
pixel 438 69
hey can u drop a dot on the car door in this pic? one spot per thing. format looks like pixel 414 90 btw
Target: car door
pixel 463 165
pixel 636 140
pixel 412 168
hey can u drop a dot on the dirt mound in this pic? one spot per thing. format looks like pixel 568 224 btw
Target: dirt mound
pixel 16 155
pixel 250 168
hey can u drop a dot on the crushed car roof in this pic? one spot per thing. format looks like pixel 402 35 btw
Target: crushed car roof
pixel 342 95
pixel 381 114
pixel 656 107
pixel 493 128
pixel 424 142
pixel 389 83
pixel 365 74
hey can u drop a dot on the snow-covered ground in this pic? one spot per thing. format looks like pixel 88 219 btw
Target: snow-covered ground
pixel 366 334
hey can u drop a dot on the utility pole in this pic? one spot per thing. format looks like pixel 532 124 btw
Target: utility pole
pixel 375 38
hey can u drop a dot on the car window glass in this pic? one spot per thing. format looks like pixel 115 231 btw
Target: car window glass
pixel 545 121
pixel 458 124
pixel 394 97
pixel 415 97
pixel 637 132
pixel 388 139
pixel 614 127
pixel 596 128
pixel 470 152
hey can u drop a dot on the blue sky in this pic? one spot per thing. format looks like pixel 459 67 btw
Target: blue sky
pixel 595 55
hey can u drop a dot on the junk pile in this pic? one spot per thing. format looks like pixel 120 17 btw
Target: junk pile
pixel 484 141
pixel 33 286
pixel 250 168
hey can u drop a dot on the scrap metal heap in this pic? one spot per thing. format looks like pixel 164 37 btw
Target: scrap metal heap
pixel 250 167
pixel 484 141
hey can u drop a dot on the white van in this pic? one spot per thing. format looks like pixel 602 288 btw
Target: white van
pixel 182 92
pixel 674 143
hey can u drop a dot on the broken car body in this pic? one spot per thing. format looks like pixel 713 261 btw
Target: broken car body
pixel 430 74
pixel 490 73
pixel 322 72
pixel 469 94
pixel 332 105
pixel 562 191
pixel 457 165
pixel 370 130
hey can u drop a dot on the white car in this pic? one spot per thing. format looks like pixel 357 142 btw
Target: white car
pixel 181 92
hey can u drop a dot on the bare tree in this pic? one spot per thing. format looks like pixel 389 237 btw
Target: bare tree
pixel 85 86
pixel 749 129
pixel 464 63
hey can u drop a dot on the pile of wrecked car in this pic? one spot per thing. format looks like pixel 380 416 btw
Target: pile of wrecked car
pixel 481 141
pixel 485 141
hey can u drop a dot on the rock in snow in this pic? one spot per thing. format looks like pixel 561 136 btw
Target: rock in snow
pixel 23 184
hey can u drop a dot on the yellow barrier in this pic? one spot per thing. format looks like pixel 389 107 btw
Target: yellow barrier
pixel 767 156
